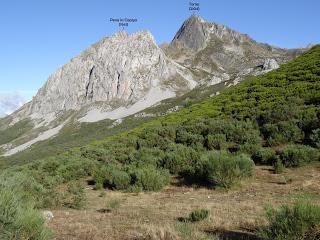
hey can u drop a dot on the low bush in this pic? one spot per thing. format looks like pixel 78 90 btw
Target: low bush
pixel 198 215
pixel 221 169
pixel 66 168
pixel 147 156
pixel 295 223
pixel 248 148
pixel 295 155
pixel 149 178
pixel 188 138
pixel 264 156
pixel 315 138
pixel 19 219
pixel 216 141
pixel 179 158
pixel 28 187
pixel 282 132
pixel 112 177
pixel 278 167
pixel 120 180
pixel 224 170
pixel 77 195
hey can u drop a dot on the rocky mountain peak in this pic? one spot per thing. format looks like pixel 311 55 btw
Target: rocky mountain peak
pixel 124 74
pixel 218 52
pixel 117 71
pixel 195 32
pixel 120 34
pixel 192 34
pixel 137 36
pixel 122 69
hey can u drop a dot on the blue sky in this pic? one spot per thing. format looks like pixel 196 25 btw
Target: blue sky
pixel 39 36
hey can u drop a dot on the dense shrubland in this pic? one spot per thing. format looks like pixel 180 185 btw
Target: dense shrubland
pixel 272 119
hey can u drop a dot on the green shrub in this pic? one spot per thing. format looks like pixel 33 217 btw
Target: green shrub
pixel 221 169
pixel 315 138
pixel 96 153
pixel 147 156
pixel 120 180
pixel 98 185
pixel 75 168
pixel 151 137
pixel 112 177
pixel 224 170
pixel 149 178
pixel 26 185
pixel 241 132
pixel 77 195
pixel 52 198
pixel 294 223
pixel 245 164
pixel 248 148
pixel 102 176
pixel 278 167
pixel 295 155
pixel 174 162
pixel 216 141
pixel 188 138
pixel 179 158
pixel 264 156
pixel 279 112
pixel 198 215
pixel 282 132
pixel 19 219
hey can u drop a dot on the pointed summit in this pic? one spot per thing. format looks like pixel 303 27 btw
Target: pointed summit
pixel 195 33
pixel 192 34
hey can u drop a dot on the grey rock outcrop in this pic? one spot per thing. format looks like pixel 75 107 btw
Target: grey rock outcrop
pixel 270 64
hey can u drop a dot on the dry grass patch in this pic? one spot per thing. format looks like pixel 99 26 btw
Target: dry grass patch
pixel 149 215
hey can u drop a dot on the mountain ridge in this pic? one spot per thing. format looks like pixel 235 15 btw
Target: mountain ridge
pixel 122 75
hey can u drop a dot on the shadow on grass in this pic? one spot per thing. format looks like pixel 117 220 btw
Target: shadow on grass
pixel 183 219
pixel 233 235
pixel 186 181
pixel 104 210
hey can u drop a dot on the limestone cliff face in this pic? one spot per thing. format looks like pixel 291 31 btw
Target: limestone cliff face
pixel 119 69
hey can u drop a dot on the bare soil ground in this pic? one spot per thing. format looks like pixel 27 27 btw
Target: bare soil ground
pixel 234 214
